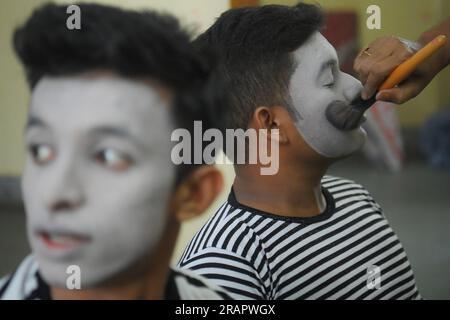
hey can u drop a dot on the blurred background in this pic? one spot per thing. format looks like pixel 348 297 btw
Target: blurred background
pixel 405 164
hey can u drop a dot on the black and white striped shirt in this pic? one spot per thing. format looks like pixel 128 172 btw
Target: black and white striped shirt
pixel 27 284
pixel 347 252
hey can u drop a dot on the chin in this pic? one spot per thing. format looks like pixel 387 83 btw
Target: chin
pixel 55 276
pixel 355 145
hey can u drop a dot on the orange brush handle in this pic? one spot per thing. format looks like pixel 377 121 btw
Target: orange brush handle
pixel 406 68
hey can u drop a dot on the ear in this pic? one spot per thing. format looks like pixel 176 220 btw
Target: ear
pixel 197 192
pixel 272 118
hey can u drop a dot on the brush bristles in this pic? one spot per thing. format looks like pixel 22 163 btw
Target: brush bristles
pixel 343 116
pixel 348 117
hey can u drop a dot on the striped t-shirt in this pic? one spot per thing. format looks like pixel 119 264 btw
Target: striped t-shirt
pixel 349 251
pixel 27 284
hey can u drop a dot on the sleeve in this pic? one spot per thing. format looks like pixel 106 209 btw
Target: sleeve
pixel 4 282
pixel 185 284
pixel 228 270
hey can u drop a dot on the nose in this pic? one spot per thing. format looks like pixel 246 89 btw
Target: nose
pixel 351 87
pixel 63 191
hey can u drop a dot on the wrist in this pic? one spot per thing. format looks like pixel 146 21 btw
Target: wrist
pixel 412 46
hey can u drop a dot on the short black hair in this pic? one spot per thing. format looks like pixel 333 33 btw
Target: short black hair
pixel 255 46
pixel 129 43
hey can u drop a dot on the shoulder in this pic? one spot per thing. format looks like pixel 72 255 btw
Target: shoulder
pixel 22 282
pixel 337 185
pixel 231 229
pixel 186 285
pixel 346 191
pixel 332 181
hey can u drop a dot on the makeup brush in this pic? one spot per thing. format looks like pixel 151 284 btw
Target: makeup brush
pixel 348 117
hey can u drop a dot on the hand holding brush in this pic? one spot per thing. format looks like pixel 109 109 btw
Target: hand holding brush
pixel 348 117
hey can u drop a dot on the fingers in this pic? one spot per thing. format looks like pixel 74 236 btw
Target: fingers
pixel 382 69
pixel 402 93
pixel 374 52
pixel 385 54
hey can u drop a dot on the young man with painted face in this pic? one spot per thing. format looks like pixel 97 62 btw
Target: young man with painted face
pixel 102 197
pixel 298 234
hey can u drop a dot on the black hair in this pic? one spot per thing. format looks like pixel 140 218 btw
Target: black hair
pixel 255 46
pixel 131 44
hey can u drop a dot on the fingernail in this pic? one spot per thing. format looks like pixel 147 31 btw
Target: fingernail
pixel 379 96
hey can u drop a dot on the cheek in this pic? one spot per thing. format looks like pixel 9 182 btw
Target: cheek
pixel 308 98
pixel 312 105
pixel 133 219
pixel 31 187
pixel 126 198
pixel 140 193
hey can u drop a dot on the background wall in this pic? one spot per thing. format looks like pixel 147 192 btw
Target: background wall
pixel 13 89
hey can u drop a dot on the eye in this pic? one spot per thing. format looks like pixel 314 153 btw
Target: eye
pixel 41 153
pixel 113 159
pixel 329 80
pixel 330 84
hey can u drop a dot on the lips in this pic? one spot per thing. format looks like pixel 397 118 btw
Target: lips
pixel 61 241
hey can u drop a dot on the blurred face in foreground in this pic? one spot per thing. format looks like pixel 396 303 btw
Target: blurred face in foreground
pixel 98 178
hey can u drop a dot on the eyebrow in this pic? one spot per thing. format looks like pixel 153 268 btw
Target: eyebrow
pixel 34 121
pixel 325 65
pixel 117 132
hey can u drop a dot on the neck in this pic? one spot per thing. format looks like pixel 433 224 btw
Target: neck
pixel 295 191
pixel 150 285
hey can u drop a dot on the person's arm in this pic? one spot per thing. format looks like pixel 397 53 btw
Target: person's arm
pixel 384 54
pixel 443 59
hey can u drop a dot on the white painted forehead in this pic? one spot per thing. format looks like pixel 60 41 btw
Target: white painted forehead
pixel 86 102
pixel 316 47
pixel 96 85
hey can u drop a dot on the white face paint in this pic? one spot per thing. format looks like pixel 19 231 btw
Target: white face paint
pixel 98 176
pixel 316 82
